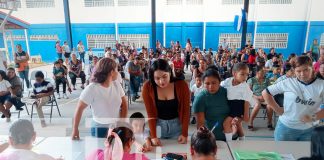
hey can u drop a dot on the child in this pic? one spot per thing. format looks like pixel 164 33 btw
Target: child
pixel 58 72
pixel 275 74
pixel 118 146
pixel 239 95
pixel 203 144
pixel 65 73
pixel 142 135
pixel 5 92
pixel 195 90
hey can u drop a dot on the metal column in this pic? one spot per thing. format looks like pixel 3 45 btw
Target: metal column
pixel 244 29
pixel 153 23
pixel 68 23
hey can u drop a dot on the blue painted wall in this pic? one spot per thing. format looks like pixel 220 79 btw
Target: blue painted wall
pixel 1 40
pixel 176 31
pixel 182 31
pixel 214 29
pixel 316 29
pixel 296 34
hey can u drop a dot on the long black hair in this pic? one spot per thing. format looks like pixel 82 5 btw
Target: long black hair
pixel 162 65
pixel 3 75
pixel 211 71
pixel 203 142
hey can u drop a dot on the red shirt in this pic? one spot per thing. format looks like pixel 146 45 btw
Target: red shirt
pixel 251 59
pixel 178 64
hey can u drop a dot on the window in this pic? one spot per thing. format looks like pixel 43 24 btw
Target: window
pixel 9 4
pixel 98 3
pixel 173 2
pixel 275 1
pixel 139 39
pixel 235 2
pixel 101 40
pixel 133 2
pixel 195 2
pixel 44 37
pixel 269 40
pixel 16 37
pixel 322 40
pixel 233 39
pixel 40 3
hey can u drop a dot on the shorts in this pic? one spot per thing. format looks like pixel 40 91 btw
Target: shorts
pixel 67 55
pixel 5 98
pixel 169 129
pixel 236 108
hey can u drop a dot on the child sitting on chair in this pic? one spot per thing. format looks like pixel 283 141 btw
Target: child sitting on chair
pixel 239 97
pixel 195 90
pixel 117 146
pixel 142 135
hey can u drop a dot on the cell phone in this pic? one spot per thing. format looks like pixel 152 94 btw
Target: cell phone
pixel 33 96
pixel 174 156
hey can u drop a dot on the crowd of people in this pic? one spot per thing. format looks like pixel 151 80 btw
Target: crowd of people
pixel 213 90
pixel 222 87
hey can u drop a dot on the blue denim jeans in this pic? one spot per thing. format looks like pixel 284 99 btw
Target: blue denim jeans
pixel 82 56
pixel 169 129
pixel 134 84
pixel 284 133
pixel 24 76
pixel 59 55
pixel 99 130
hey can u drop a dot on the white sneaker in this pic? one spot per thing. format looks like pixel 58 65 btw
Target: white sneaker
pixel 58 96
pixel 65 96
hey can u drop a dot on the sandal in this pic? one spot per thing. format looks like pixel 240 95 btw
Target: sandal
pixel 270 127
pixel 251 128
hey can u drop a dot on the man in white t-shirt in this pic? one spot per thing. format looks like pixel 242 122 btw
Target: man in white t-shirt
pixel 21 138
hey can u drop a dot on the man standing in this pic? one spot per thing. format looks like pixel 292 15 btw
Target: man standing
pixel 58 49
pixel 134 70
pixel 21 59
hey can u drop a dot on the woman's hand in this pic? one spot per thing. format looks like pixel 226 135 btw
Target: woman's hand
pixel 156 142
pixel 182 139
pixel 306 119
pixel 75 134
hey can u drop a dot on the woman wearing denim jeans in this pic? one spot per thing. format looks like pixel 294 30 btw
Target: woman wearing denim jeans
pixel 21 59
pixel 106 97
pixel 167 103
pixel 81 51
pixel 303 96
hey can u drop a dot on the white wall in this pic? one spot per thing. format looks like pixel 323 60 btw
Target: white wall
pixel 40 15
pixel 317 13
pixel 210 11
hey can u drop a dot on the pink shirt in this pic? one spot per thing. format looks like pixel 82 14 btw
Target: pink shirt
pixel 99 155
pixel 317 66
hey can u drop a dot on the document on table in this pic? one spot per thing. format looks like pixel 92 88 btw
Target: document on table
pixel 287 157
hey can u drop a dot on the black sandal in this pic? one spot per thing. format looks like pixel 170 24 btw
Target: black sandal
pixel 270 127
pixel 251 128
